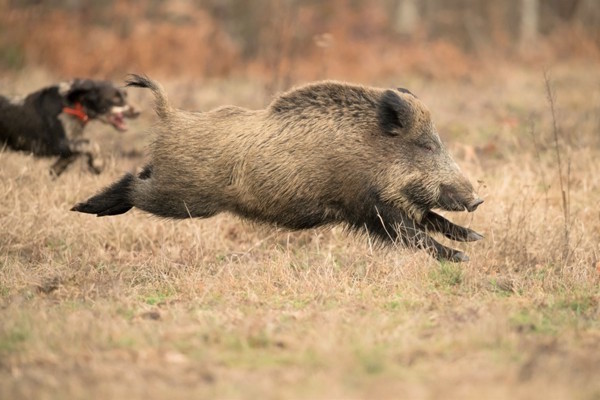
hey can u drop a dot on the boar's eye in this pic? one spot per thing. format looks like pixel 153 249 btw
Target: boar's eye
pixel 428 146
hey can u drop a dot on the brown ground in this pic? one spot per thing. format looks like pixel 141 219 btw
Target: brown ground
pixel 138 307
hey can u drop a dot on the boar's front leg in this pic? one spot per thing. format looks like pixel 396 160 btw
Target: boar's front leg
pixel 391 225
pixel 433 222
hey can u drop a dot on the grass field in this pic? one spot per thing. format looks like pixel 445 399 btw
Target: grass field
pixel 138 307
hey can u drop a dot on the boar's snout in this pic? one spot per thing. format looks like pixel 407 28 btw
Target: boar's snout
pixel 458 198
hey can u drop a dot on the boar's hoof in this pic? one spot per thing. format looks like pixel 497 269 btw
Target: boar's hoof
pixel 474 204
pixel 473 236
pixel 459 256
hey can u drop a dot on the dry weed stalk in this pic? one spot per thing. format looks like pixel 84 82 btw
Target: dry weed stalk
pixel 565 191
pixel 538 158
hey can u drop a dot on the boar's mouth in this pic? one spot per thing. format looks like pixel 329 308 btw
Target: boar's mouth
pixel 418 199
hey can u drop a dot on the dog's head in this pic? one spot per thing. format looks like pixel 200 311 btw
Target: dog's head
pixel 88 99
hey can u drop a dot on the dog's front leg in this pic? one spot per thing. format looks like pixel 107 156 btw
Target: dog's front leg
pixel 91 151
pixel 76 148
pixel 62 163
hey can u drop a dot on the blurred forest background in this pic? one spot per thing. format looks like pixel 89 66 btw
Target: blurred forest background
pixel 286 41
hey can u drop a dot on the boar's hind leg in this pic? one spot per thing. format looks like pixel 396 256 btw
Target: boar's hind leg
pixel 436 223
pixel 390 225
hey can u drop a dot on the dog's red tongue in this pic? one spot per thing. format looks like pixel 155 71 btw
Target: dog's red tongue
pixel 78 112
pixel 116 119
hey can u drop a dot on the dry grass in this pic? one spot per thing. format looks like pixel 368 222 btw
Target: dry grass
pixel 137 307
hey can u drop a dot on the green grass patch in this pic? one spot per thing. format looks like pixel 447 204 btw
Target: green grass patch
pixel 157 297
pixel 371 360
pixel 123 342
pixel 533 321
pixel 12 56
pixel 126 313
pixel 579 304
pixel 569 312
pixel 501 287
pixel 12 339
pixel 447 275
pixel 401 304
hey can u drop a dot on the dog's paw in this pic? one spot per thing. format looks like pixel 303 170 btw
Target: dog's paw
pixel 96 165
pixel 57 169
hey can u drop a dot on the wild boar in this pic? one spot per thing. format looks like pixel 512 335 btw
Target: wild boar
pixel 323 153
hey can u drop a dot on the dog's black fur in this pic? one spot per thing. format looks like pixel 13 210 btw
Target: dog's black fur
pixel 50 122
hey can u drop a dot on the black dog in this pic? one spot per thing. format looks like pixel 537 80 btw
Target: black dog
pixel 50 122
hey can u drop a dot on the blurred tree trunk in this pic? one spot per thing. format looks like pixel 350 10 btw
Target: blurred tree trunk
pixel 529 21
pixel 407 17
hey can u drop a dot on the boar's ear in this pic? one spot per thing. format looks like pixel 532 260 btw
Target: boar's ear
pixel 404 90
pixel 393 112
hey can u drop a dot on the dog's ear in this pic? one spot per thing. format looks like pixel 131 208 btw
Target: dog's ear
pixel 80 88
pixel 50 103
pixel 89 94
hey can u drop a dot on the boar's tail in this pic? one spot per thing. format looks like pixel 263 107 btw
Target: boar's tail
pixel 161 105
pixel 113 200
